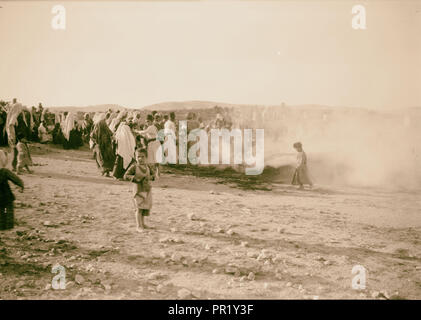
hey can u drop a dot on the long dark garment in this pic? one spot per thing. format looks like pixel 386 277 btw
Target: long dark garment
pixel 57 134
pixel 104 153
pixel 7 217
pixel 3 134
pixel 119 171
pixel 75 140
pixel 7 198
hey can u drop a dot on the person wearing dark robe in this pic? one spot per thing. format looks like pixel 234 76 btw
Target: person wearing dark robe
pixel 57 134
pixel 87 128
pixel 35 123
pixel 75 139
pixel 72 132
pixel 101 137
pixel 27 121
pixel 3 117
pixel 6 196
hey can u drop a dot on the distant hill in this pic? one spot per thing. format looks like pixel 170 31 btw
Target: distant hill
pixel 96 108
pixel 201 105
pixel 188 105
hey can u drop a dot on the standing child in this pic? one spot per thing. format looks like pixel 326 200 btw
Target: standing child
pixel 141 175
pixel 301 175
pixel 6 195
pixel 24 157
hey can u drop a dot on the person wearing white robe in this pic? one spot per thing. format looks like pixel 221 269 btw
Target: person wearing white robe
pixel 125 151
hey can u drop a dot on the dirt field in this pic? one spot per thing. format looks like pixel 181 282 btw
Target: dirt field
pixel 213 240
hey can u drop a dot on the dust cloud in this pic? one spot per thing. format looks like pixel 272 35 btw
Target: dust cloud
pixel 344 145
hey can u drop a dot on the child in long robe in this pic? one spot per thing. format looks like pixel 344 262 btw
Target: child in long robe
pixel 24 157
pixel 141 175
pixel 301 175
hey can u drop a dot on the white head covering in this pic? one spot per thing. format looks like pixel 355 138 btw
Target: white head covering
pixel 69 125
pixel 14 111
pixel 98 117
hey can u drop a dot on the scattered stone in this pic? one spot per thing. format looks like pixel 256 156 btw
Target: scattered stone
pixel 79 279
pixel 218 230
pixel 252 254
pixel 155 276
pixel 280 230
pixel 315 297
pixel 159 288
pixel 251 276
pixel 375 294
pixel 47 223
pixel 108 287
pixel 276 259
pixel 396 296
pixel 244 244
pixel 327 263
pixel 265 286
pixel 289 284
pixel 47 287
pixel 384 294
pixel 89 268
pixel 231 270
pixel 176 257
pixel 215 271
pixel 230 232
pixel 263 255
pixel 173 230
pixel 191 216
pixel 184 294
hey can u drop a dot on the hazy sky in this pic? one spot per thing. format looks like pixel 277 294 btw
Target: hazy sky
pixel 252 52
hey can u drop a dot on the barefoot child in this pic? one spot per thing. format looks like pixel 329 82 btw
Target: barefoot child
pixel 141 174
pixel 6 195
pixel 301 175
pixel 24 157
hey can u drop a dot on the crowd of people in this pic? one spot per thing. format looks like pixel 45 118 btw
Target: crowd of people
pixel 123 143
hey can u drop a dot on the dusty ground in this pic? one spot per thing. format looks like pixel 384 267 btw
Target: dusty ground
pixel 207 237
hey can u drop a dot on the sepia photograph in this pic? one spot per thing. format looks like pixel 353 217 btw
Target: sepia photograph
pixel 210 150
